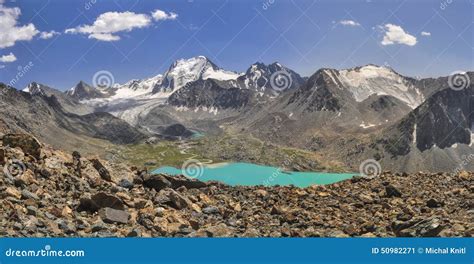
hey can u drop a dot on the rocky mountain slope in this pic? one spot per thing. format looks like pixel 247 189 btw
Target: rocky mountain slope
pixel 47 193
pixel 271 79
pixel 45 117
pixel 69 103
pixel 438 135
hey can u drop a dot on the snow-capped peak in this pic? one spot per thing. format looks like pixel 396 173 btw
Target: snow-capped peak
pixel 34 88
pixel 364 81
pixel 184 71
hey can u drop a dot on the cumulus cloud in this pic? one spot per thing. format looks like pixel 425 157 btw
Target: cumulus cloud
pixel 350 23
pixel 426 34
pixel 10 31
pixel 394 34
pixel 108 24
pixel 8 58
pixel 48 35
pixel 162 15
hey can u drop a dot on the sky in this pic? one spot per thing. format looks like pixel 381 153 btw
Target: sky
pixel 59 43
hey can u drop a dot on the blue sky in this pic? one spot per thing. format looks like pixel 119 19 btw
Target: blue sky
pixel 302 35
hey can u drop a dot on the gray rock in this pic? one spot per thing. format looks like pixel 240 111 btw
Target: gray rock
pixel 211 210
pixel 392 191
pixel 25 194
pixel 110 215
pixel 157 182
pixel 417 227
pixel 100 200
pixel 31 210
pixel 103 172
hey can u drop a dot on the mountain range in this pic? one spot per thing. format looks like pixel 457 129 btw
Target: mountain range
pixel 348 115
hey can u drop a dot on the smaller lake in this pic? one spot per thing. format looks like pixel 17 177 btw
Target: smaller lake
pixel 249 174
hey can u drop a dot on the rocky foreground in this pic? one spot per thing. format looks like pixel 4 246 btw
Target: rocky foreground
pixel 49 193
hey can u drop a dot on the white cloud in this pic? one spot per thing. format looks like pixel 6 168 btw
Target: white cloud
pixel 350 23
pixel 104 37
pixel 8 58
pixel 162 15
pixel 48 35
pixel 10 31
pixel 426 34
pixel 395 34
pixel 108 24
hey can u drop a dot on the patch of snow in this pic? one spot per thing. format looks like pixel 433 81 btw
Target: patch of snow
pixel 365 81
pixel 220 75
pixel 364 126
pixel 414 134
pixel 182 108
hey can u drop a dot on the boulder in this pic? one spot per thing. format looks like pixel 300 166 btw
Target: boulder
pixel 100 200
pixel 103 172
pixel 392 191
pixel 211 210
pixel 418 227
pixel 433 203
pixel 76 162
pixel 2 156
pixel 110 215
pixel 12 192
pixel 161 181
pixel 28 144
pixel 220 230
pixel 157 182
pixel 178 201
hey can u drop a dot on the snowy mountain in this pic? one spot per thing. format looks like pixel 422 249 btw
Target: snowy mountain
pixel 34 89
pixel 68 103
pixel 84 91
pixel 184 71
pixel 368 80
pixel 269 79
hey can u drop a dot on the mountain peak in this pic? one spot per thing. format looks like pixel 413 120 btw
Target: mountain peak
pixel 184 71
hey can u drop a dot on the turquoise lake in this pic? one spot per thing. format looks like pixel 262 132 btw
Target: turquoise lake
pixel 249 174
